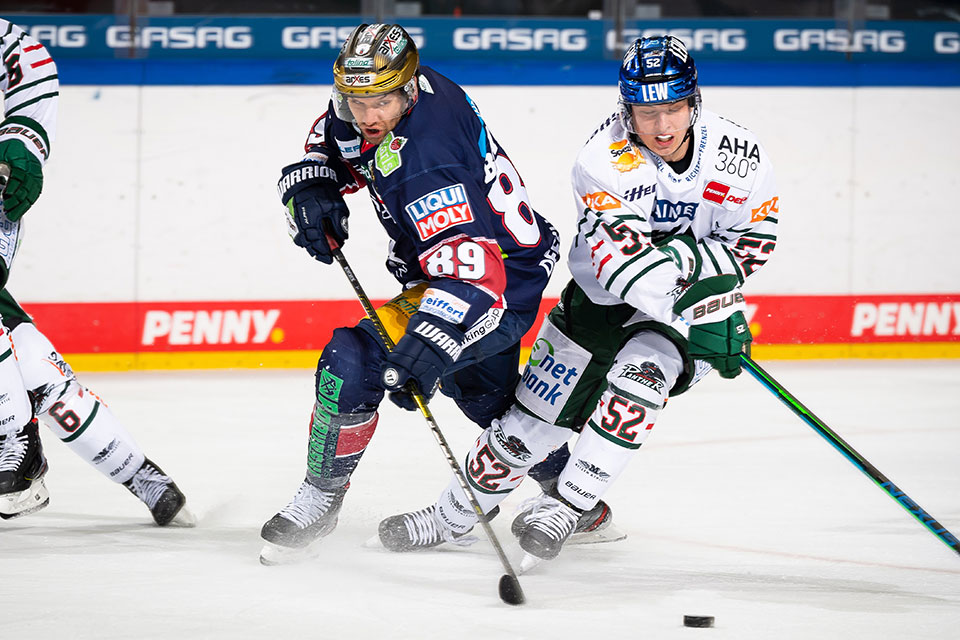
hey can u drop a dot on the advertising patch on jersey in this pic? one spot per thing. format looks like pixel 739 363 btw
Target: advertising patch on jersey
pixel 487 323
pixel 349 148
pixel 444 305
pixel 388 154
pixel 440 210
pixel 723 194
pixel 760 213
pixel 601 201
pixel 716 192
pixel 625 156
pixel 555 367
pixel 666 211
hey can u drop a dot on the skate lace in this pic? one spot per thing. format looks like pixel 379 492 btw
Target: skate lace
pixel 424 529
pixel 13 448
pixel 549 515
pixel 148 484
pixel 307 506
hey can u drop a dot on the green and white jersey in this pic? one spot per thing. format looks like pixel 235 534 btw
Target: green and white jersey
pixel 28 81
pixel 644 231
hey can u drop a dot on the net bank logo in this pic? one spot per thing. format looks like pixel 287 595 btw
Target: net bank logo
pixel 519 39
pixel 201 327
pixel 546 377
pixel 192 37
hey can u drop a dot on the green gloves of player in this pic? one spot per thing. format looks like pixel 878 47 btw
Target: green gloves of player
pixel 719 332
pixel 25 181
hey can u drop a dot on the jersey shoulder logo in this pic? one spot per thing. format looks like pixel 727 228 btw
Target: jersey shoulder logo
pixel 439 210
pixel 624 157
pixel 601 201
pixel 388 154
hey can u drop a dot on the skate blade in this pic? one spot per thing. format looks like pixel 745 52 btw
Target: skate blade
pixel 373 542
pixel 528 563
pixel 272 555
pixel 23 503
pixel 185 518
pixel 607 534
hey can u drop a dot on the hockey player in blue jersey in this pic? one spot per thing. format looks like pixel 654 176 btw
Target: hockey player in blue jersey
pixel 471 254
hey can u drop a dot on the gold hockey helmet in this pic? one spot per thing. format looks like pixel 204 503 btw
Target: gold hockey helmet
pixel 376 59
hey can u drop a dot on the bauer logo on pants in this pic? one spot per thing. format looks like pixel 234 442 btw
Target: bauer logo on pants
pixel 556 365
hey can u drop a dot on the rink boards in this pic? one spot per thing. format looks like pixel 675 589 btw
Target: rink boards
pixel 291 333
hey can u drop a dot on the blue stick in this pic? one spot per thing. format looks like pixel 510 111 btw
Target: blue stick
pixel 851 454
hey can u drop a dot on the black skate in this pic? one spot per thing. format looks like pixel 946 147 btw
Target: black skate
pixel 312 514
pixel 22 467
pixel 550 522
pixel 595 525
pixel 422 530
pixel 162 496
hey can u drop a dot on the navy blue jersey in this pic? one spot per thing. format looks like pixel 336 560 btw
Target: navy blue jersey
pixel 455 208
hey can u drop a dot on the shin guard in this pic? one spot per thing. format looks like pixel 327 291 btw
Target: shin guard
pixel 496 465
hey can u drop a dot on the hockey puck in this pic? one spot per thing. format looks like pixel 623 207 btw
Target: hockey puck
pixel 698 621
pixel 510 591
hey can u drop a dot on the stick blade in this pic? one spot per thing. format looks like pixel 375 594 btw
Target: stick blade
pixel 510 591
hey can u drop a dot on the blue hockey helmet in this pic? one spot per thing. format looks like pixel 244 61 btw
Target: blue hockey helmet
pixel 658 71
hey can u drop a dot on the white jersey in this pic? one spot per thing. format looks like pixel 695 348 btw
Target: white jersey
pixel 644 231
pixel 30 89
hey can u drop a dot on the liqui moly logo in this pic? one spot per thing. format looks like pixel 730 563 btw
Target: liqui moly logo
pixel 440 210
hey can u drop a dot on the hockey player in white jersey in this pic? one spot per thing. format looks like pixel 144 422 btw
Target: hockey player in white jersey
pixel 35 381
pixel 677 208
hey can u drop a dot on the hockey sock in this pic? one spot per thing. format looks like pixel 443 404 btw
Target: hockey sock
pixel 91 430
pixel 496 465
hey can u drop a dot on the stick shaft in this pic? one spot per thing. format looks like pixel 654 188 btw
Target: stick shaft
pixel 425 410
pixel 851 454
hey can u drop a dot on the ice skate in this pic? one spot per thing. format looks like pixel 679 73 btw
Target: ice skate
pixel 292 534
pixel 595 525
pixel 22 467
pixel 550 521
pixel 422 530
pixel 166 502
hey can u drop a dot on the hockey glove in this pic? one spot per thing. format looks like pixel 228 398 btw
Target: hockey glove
pixel 25 181
pixel 315 207
pixel 718 329
pixel 428 347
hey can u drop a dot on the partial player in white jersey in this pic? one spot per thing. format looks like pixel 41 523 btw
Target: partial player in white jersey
pixel 35 381
pixel 677 207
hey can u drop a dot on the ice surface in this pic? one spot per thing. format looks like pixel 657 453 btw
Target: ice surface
pixel 734 508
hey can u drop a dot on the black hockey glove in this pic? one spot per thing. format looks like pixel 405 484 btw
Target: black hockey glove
pixel 315 207
pixel 718 329
pixel 428 347
pixel 25 181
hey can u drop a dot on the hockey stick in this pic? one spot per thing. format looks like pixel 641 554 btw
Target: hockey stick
pixel 4 176
pixel 851 454
pixel 510 591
